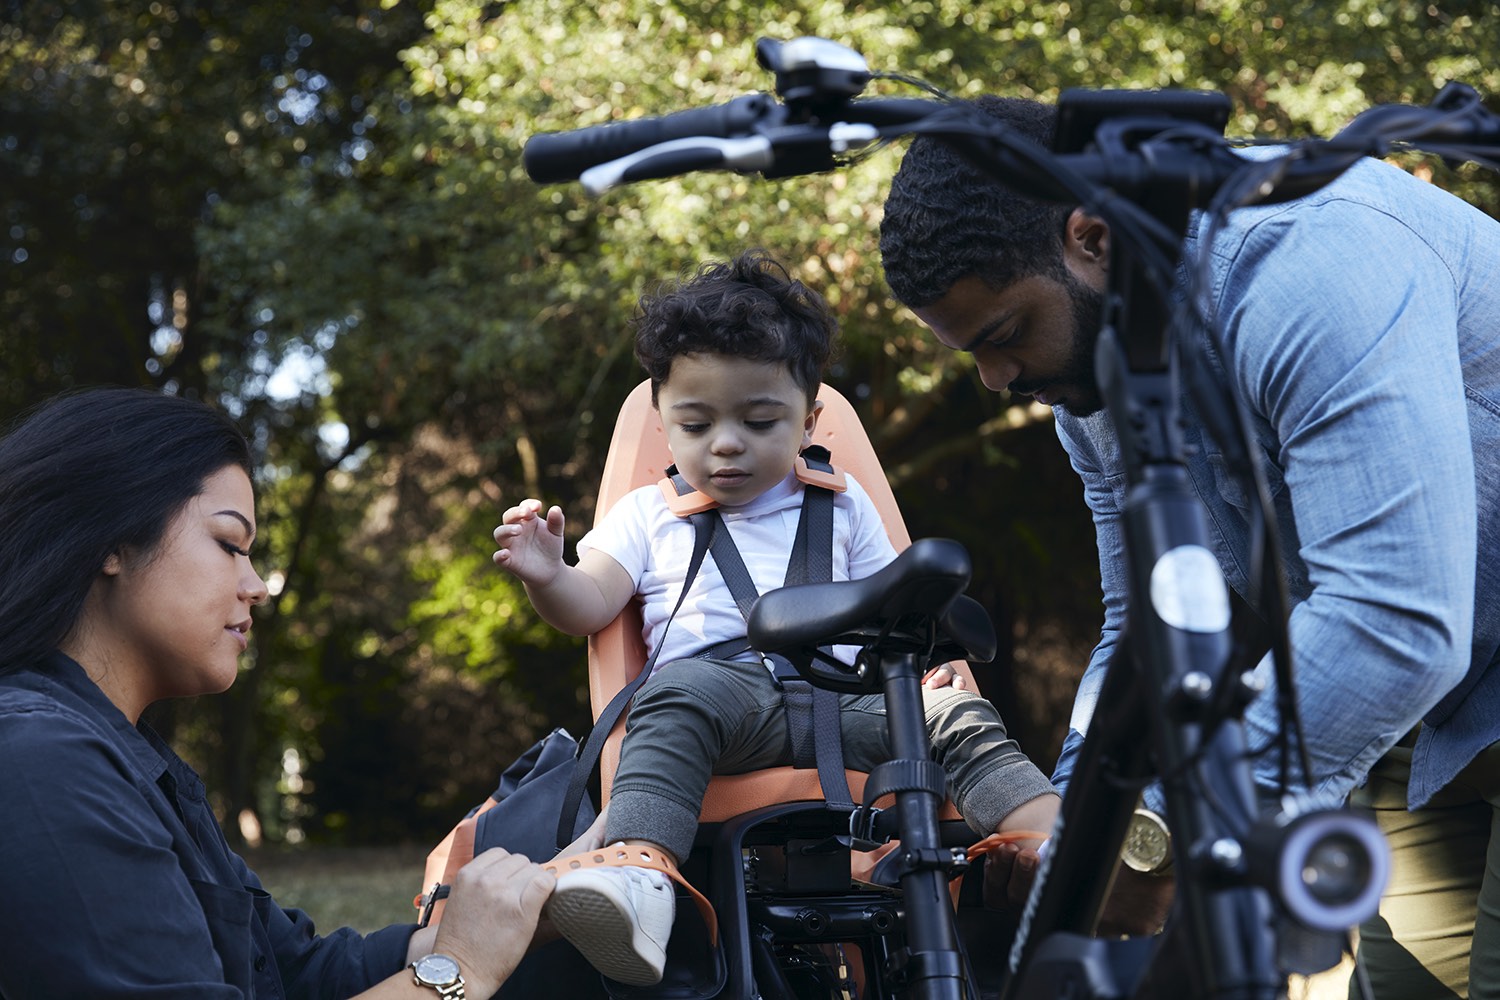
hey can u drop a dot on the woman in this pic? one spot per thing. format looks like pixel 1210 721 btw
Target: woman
pixel 127 521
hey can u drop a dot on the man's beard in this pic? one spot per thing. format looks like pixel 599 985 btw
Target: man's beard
pixel 1076 378
pixel 1088 313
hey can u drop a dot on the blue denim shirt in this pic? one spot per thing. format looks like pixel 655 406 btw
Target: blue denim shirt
pixel 1360 326
pixel 115 876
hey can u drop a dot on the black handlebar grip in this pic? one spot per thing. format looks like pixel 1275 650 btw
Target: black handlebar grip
pixel 561 156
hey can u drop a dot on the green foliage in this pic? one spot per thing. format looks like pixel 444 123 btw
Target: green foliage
pixel 317 215
pixel 472 613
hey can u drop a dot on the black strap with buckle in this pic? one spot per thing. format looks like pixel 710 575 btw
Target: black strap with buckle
pixel 812 712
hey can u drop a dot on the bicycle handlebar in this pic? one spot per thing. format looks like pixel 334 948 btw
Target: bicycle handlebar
pixel 750 133
pixel 757 133
pixel 563 156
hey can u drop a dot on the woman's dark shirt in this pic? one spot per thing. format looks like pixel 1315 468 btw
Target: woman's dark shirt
pixel 116 881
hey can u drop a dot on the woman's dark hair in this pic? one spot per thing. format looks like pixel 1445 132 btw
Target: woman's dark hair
pixel 945 220
pixel 85 475
pixel 748 307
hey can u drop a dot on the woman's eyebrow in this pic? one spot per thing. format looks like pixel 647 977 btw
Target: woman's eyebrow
pixel 249 529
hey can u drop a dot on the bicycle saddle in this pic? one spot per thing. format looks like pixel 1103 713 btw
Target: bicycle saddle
pixel 913 605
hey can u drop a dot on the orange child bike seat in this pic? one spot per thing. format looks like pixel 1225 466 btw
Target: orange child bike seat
pixel 638 456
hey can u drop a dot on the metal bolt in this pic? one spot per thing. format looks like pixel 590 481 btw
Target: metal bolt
pixel 1226 852
pixel 1197 685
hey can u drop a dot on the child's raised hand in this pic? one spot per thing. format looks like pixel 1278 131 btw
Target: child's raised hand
pixel 531 545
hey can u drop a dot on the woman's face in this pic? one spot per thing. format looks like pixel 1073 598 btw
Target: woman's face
pixel 173 622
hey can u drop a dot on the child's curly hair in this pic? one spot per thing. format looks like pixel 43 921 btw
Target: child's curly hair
pixel 749 307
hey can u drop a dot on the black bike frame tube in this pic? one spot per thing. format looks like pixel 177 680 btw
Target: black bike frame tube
pixel 1233 954
pixel 1180 656
pixel 1230 942
pixel 1160 684
pixel 931 939
pixel 1102 793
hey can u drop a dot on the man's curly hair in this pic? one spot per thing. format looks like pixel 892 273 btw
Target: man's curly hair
pixel 944 220
pixel 748 307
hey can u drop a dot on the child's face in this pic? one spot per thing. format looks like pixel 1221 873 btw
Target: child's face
pixel 734 425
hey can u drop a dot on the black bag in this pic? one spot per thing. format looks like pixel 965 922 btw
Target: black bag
pixel 520 815
pixel 530 793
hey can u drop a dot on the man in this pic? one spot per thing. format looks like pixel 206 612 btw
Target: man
pixel 1360 327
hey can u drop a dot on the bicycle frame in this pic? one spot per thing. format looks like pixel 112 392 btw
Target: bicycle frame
pixel 1165 674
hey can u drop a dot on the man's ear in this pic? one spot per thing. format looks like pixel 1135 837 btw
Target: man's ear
pixel 1086 244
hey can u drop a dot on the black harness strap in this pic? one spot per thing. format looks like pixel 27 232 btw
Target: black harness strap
pixel 812 562
pixel 812 713
pixel 588 754
pixel 874 826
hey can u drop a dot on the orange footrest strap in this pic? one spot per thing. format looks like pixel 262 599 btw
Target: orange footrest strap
pixel 628 856
pixel 995 840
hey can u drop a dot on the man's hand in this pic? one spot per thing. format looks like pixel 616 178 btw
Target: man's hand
pixel 1137 904
pixel 1009 871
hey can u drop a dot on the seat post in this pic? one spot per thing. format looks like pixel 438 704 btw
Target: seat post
pixel 933 966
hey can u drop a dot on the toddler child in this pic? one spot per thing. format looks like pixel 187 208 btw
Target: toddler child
pixel 735 356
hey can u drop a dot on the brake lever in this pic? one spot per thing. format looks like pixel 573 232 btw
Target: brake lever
pixel 679 156
pixel 806 149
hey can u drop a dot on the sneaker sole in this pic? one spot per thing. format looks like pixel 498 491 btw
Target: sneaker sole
pixel 597 922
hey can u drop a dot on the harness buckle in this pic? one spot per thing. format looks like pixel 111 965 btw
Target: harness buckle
pixel 863 835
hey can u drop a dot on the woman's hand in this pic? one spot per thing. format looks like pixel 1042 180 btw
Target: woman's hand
pixel 491 916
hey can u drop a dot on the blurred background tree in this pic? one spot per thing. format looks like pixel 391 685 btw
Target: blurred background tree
pixel 314 215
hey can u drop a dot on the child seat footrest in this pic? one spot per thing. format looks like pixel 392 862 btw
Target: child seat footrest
pixel 628 856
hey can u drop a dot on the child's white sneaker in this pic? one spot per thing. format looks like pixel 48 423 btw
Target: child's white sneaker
pixel 619 918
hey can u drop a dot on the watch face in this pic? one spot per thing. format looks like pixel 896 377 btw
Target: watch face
pixel 1147 846
pixel 436 970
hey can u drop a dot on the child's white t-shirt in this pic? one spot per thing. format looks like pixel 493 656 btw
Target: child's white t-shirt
pixel 655 546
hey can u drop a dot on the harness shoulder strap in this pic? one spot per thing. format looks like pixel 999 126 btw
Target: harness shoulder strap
pixel 812 712
pixel 682 499
pixel 814 468
pixel 812 550
pixel 812 562
pixel 588 753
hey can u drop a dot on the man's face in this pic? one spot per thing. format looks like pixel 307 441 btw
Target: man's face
pixel 1035 337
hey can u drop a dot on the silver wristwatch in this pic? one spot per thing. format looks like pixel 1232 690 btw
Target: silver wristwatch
pixel 441 973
